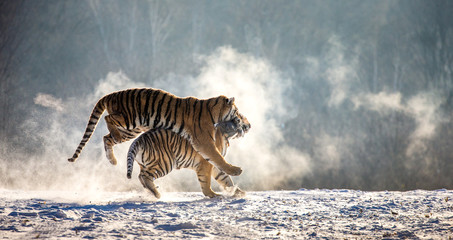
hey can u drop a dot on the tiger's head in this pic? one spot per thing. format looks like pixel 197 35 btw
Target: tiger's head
pixel 230 122
pixel 234 128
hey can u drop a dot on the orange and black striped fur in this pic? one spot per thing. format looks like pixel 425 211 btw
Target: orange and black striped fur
pixel 159 151
pixel 133 111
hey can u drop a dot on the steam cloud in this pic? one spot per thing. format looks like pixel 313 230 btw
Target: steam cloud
pixel 49 101
pixel 423 108
pixel 341 76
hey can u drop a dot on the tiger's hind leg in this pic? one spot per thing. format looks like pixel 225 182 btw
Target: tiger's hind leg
pixel 114 137
pixel 148 182
pixel 118 134
pixel 114 121
pixel 204 178
pixel 226 182
pixel 109 142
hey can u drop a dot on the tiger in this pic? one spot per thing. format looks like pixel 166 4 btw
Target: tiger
pixel 159 151
pixel 133 111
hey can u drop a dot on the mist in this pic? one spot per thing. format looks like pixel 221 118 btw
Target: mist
pixel 356 94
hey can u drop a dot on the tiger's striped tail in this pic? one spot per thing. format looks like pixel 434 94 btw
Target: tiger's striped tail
pixel 131 154
pixel 92 122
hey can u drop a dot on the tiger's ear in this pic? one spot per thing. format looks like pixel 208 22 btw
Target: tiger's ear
pixel 230 100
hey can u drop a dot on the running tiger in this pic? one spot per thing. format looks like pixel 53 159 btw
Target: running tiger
pixel 159 151
pixel 133 111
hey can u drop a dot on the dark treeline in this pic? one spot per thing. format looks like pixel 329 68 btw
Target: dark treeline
pixel 401 50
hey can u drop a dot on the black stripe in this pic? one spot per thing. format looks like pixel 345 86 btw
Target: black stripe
pixel 154 97
pixel 155 109
pixel 212 137
pixel 144 159
pixel 221 118
pixel 177 143
pixel 167 112
pixel 168 117
pixel 189 149
pixel 98 112
pixel 146 109
pixel 139 105
pixel 169 151
pixel 218 175
pixel 155 140
pixel 165 151
pixel 193 117
pixel 177 107
pixel 181 128
pixel 223 179
pixel 132 107
pixel 162 158
pixel 199 116
pixel 159 111
pixel 187 109
pixel 184 148
pixel 215 103
pixel 195 109
pixel 151 113
pixel 209 108
pixel 124 101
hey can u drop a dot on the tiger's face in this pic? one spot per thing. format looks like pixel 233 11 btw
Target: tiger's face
pixel 234 128
pixel 234 124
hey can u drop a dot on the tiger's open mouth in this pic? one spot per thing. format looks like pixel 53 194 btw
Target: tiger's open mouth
pixel 237 127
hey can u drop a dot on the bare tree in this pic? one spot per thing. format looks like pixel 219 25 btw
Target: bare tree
pixel 9 44
pixel 95 6
pixel 159 18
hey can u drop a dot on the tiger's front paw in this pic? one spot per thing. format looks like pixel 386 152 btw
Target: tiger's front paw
pixel 233 171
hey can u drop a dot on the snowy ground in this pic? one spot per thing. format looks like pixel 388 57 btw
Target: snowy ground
pixel 334 214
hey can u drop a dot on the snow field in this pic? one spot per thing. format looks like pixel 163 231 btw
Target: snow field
pixel 301 214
